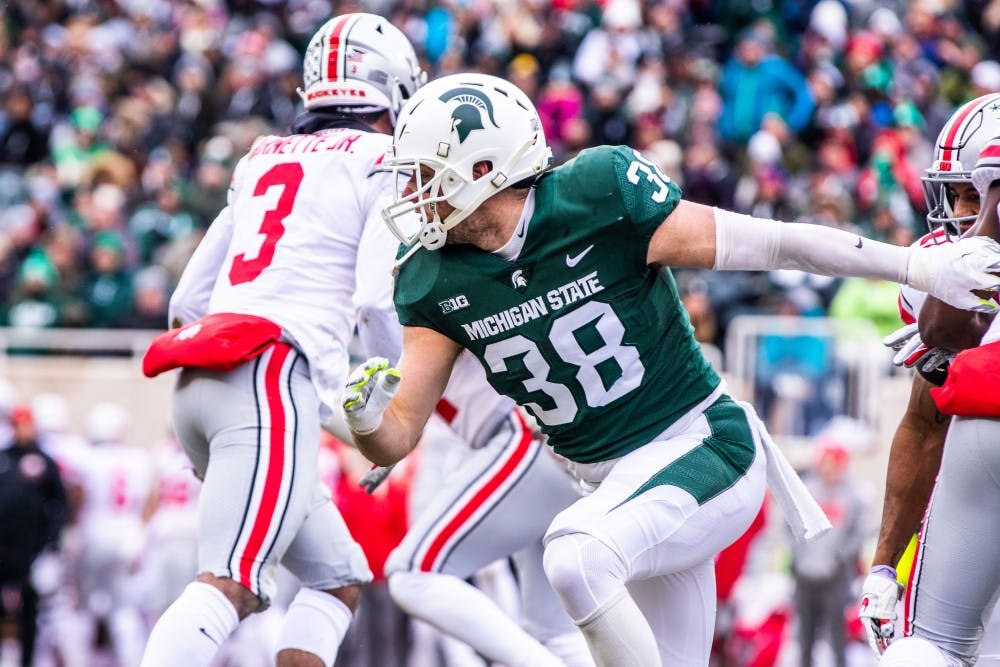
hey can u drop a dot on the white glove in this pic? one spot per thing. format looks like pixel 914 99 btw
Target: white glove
pixel 374 477
pixel 903 341
pixel 912 352
pixel 368 393
pixel 950 271
pixel 877 611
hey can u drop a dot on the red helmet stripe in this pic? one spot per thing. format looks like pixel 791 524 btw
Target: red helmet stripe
pixel 333 52
pixel 958 120
pixel 991 150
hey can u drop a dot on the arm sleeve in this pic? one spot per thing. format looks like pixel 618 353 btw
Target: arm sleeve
pixel 377 322
pixel 754 244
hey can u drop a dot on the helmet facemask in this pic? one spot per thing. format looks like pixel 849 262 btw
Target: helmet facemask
pixel 955 152
pixel 448 128
pixel 941 198
pixel 424 197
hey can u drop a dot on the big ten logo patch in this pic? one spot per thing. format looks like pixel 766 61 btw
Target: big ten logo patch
pixel 455 303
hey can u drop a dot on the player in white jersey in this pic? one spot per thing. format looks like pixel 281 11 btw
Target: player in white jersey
pixel 915 456
pixel 955 580
pixel 266 311
pixel 117 481
pixel 170 559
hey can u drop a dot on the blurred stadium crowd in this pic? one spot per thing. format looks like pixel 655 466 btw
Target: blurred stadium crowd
pixel 122 120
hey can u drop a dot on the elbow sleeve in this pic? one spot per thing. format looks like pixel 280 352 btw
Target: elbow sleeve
pixel 756 244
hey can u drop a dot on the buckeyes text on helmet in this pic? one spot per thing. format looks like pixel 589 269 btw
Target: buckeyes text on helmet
pixel 955 153
pixel 448 127
pixel 360 60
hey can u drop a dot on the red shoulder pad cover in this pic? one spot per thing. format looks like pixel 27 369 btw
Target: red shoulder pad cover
pixel 218 342
pixel 971 387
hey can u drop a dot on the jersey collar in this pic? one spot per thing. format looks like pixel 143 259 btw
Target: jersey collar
pixel 512 248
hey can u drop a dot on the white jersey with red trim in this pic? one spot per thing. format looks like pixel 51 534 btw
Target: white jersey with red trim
pixel 117 480
pixel 912 300
pixel 470 406
pixel 300 209
pixel 176 491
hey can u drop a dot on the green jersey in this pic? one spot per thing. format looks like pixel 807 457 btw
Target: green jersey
pixel 576 328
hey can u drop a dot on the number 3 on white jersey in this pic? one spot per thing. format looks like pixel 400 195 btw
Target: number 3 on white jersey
pixel 288 176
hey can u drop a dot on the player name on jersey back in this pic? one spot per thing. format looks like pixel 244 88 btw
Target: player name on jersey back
pixel 306 143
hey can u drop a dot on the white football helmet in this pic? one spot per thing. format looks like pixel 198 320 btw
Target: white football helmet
pixel 360 60
pixel 448 126
pixel 107 423
pixel 955 152
pixel 913 652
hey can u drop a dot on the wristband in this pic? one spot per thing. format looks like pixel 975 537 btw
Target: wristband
pixel 884 571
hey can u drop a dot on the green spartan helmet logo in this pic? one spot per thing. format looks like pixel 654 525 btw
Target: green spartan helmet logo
pixel 468 115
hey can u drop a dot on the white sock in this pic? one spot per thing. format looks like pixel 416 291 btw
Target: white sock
pixel 464 612
pixel 316 623
pixel 619 636
pixel 191 630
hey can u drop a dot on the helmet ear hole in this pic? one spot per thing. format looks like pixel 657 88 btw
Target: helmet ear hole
pixel 481 168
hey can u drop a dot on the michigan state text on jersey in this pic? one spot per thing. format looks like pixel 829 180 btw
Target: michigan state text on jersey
pixel 575 336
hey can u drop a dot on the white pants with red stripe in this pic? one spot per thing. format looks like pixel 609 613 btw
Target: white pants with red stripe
pixel 497 503
pixel 252 435
pixel 956 572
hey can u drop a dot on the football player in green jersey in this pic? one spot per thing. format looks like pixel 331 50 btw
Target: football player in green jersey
pixel 557 280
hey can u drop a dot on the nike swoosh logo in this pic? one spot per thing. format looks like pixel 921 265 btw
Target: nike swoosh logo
pixel 202 631
pixel 520 230
pixel 859 243
pixel 573 261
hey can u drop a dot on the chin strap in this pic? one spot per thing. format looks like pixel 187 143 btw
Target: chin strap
pixel 409 253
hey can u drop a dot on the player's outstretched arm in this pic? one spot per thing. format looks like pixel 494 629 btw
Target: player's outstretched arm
pixel 697 236
pixel 387 408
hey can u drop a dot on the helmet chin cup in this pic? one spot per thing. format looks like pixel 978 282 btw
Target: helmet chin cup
pixel 432 236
